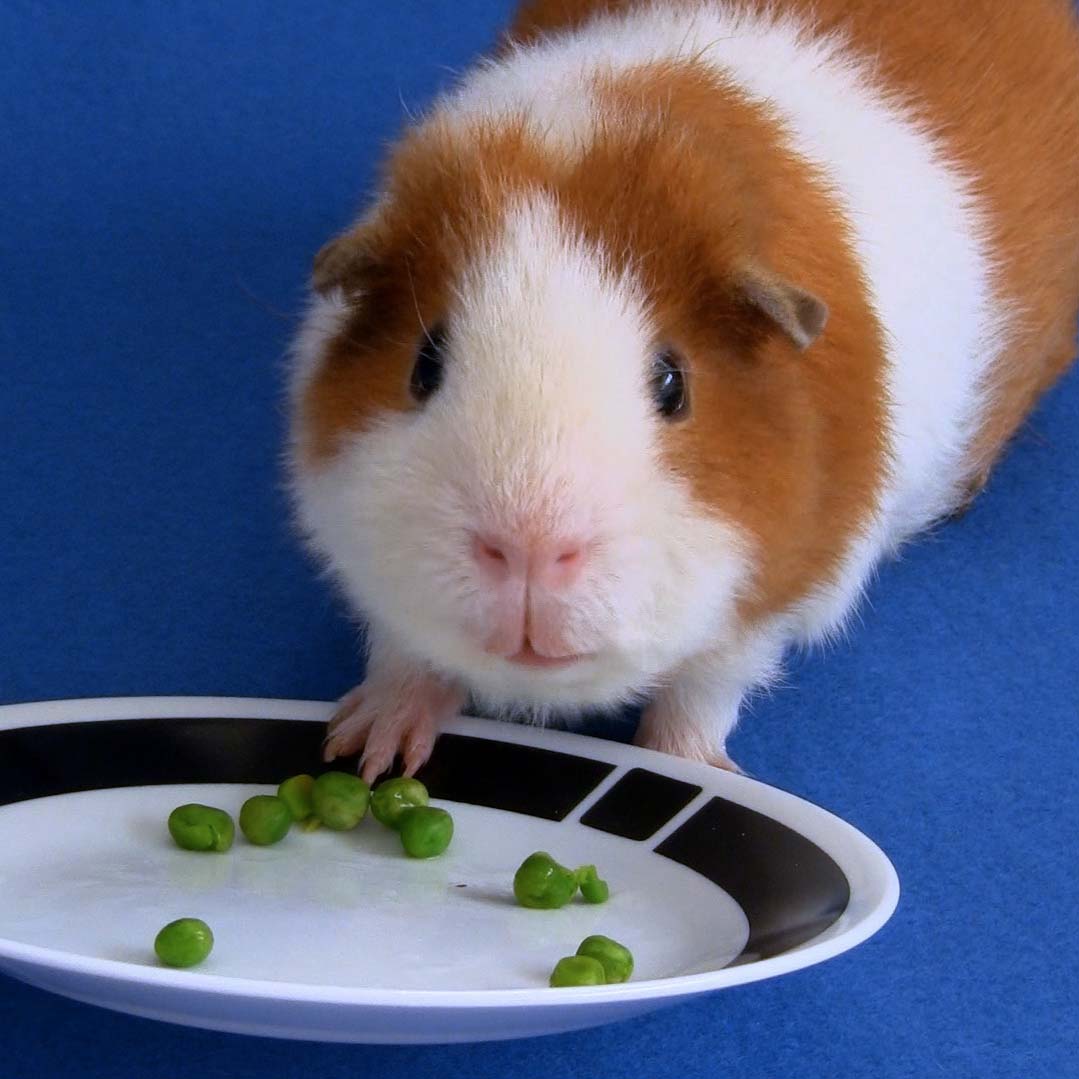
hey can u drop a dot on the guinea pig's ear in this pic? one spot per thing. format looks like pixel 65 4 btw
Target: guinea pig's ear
pixel 343 263
pixel 799 314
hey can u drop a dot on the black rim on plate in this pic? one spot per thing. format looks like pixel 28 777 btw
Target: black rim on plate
pixel 789 889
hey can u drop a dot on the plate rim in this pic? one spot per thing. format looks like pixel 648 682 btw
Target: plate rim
pixel 849 846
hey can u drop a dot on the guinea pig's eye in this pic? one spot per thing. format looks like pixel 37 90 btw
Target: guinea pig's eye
pixel 668 384
pixel 427 372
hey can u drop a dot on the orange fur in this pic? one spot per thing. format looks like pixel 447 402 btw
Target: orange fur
pixel 770 441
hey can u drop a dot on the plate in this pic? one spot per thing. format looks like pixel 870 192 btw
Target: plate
pixel 716 879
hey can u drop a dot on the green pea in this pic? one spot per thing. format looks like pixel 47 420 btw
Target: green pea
pixel 616 959
pixel 541 883
pixel 184 942
pixel 425 831
pixel 393 796
pixel 295 792
pixel 340 800
pixel 577 970
pixel 199 827
pixel 265 819
pixel 593 890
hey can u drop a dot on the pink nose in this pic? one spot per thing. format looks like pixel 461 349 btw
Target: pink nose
pixel 550 563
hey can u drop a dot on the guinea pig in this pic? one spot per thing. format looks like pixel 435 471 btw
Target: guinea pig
pixel 670 320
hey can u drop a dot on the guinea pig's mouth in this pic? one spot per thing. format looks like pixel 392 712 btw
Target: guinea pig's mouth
pixel 529 657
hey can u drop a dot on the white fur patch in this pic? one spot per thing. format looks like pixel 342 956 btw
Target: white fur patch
pixel 556 101
pixel 323 320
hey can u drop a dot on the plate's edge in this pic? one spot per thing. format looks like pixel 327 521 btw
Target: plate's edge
pixel 848 847
pixel 99 709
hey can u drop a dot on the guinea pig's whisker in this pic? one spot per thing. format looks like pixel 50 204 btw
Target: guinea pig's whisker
pixel 416 304
pixel 412 117
pixel 269 309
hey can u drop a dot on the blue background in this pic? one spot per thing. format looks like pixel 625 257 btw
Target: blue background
pixel 166 172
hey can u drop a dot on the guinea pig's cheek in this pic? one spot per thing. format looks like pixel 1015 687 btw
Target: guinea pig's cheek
pixel 718 571
pixel 679 580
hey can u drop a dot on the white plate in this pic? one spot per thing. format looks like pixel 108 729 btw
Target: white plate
pixel 715 879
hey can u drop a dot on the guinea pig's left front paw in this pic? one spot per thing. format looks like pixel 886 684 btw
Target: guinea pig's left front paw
pixel 386 718
pixel 666 729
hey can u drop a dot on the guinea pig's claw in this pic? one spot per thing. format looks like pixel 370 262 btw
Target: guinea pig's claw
pixel 373 766
pixel 383 725
pixel 417 746
pixel 721 760
pixel 412 738
pixel 347 727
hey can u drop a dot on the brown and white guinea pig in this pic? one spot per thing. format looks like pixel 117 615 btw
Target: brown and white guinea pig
pixel 670 321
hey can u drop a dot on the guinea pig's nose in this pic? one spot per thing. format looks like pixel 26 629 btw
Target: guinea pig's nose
pixel 498 558
pixel 549 562
pixel 557 563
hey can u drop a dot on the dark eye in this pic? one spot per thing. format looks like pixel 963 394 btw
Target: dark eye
pixel 427 373
pixel 668 384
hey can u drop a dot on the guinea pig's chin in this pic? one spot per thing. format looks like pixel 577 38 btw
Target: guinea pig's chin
pixel 597 680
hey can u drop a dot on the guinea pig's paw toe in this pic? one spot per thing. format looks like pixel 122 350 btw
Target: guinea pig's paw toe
pixel 347 729
pixel 374 764
pixel 383 742
pixel 417 746
pixel 341 745
pixel 410 733
pixel 347 707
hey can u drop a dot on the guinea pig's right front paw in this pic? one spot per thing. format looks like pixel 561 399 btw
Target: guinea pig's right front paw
pixel 384 720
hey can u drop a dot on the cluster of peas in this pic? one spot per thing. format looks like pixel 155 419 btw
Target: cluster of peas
pixel 542 884
pixel 339 801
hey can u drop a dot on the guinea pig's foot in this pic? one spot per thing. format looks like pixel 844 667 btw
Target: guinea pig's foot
pixel 721 760
pixel 664 732
pixel 386 721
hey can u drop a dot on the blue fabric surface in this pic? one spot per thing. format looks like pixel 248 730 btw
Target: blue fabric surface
pixel 166 172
